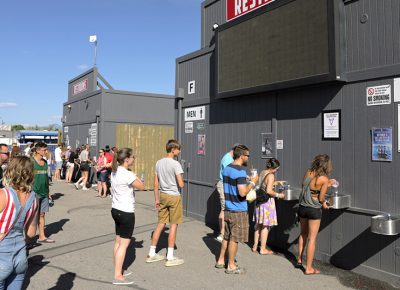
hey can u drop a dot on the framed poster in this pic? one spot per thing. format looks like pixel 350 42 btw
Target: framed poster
pixel 267 145
pixel 382 144
pixel 331 123
pixel 201 144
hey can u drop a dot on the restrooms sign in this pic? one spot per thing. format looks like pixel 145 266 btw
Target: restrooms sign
pixel 236 8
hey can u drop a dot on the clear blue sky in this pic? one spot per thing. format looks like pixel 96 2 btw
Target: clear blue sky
pixel 45 43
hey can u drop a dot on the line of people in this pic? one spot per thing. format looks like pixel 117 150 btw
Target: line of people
pixel 233 187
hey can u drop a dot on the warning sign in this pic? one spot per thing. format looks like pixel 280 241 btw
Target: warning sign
pixel 379 95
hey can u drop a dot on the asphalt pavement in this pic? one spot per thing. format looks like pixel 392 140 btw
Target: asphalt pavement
pixel 82 256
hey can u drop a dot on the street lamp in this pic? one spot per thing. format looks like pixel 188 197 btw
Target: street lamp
pixel 93 39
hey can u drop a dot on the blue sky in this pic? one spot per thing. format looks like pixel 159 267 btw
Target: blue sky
pixel 45 43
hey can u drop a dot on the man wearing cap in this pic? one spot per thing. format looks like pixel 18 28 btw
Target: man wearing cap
pixel 225 161
pixel 3 159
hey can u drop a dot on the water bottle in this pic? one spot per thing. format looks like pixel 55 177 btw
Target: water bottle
pixel 142 177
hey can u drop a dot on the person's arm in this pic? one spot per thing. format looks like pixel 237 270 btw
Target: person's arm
pixel 269 185
pixel 245 189
pixel 179 179
pixel 324 181
pixel 156 192
pixel 138 184
pixel 30 230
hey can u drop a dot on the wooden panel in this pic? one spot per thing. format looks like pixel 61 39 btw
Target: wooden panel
pixel 148 144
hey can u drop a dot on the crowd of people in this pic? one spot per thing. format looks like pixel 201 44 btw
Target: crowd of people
pixel 25 198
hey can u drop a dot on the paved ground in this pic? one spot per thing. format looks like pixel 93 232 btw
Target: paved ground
pixel 82 258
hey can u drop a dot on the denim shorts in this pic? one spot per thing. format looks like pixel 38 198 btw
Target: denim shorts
pixel 58 164
pixel 102 176
pixel 124 223
pixel 43 204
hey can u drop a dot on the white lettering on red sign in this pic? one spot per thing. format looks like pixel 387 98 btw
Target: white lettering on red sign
pixel 80 87
pixel 236 8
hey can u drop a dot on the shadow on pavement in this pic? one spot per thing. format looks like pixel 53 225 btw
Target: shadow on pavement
pixel 54 228
pixel 65 282
pixel 163 240
pixel 212 244
pixel 35 264
pixel 57 195
pixel 130 255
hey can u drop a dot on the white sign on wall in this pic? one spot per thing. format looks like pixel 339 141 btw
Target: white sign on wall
pixel 279 144
pixel 66 129
pixel 396 90
pixel 188 127
pixel 195 113
pixel 379 95
pixel 191 87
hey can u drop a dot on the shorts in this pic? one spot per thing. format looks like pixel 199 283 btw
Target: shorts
pixel 58 164
pixel 124 223
pixel 236 226
pixel 84 166
pixel 102 176
pixel 170 211
pixel 220 189
pixel 70 165
pixel 311 213
pixel 43 204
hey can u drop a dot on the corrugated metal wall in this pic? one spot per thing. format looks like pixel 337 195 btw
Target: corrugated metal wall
pixel 294 116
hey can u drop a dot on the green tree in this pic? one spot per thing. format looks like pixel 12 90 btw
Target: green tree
pixel 17 127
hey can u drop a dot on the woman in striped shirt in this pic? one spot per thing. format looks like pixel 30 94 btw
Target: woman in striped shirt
pixel 18 215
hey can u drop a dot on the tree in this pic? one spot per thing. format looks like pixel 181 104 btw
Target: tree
pixel 17 127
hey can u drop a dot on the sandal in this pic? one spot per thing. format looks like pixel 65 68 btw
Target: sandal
pixel 219 266
pixel 237 270
pixel 268 252
pixel 314 272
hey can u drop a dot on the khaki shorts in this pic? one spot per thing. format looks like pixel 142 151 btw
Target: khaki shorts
pixel 236 226
pixel 170 211
pixel 220 189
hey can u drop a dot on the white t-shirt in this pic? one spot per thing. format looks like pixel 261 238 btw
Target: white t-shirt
pixel 123 195
pixel 57 155
pixel 167 169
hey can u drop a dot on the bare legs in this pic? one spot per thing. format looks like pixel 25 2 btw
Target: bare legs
pixel 261 233
pixel 221 223
pixel 308 235
pixel 120 247
pixel 171 237
pixel 232 250
pixel 42 236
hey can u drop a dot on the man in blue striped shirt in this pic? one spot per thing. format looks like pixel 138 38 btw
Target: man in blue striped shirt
pixel 236 218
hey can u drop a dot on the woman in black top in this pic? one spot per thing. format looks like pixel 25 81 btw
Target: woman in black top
pixel 70 166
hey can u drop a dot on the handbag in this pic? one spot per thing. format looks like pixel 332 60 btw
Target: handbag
pixel 251 196
pixel 261 195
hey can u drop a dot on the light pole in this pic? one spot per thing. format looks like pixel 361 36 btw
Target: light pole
pixel 93 39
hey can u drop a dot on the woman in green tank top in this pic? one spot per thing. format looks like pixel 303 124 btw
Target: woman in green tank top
pixel 311 202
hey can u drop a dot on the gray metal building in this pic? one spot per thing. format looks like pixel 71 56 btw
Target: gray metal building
pixel 94 109
pixel 358 82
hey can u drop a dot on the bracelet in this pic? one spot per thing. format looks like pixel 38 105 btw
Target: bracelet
pixel 252 183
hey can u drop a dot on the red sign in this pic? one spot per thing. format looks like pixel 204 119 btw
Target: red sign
pixel 236 8
pixel 80 87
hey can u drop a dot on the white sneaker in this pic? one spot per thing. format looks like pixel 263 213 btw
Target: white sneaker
pixel 76 185
pixel 85 188
pixel 155 258
pixel 174 262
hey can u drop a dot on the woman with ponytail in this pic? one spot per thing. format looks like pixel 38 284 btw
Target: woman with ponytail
pixel 265 212
pixel 123 182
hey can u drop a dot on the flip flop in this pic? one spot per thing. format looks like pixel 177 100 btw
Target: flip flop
pixel 46 241
pixel 219 266
pixel 237 270
pixel 267 253
pixel 314 272
pixel 299 265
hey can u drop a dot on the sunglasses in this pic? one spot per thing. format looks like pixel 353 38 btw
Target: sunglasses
pixel 6 153
pixel 247 155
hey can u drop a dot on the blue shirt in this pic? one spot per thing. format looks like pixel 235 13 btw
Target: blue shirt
pixel 233 176
pixel 225 161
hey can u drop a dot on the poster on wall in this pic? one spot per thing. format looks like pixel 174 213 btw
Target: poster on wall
pixel 267 145
pixel 382 144
pixel 201 144
pixel 331 125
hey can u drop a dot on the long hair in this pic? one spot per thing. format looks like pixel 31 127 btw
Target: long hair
pixel 19 174
pixel 321 165
pixel 120 156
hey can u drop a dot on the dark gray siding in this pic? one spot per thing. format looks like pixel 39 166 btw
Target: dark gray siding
pixel 128 107
pixel 375 43
pixel 213 11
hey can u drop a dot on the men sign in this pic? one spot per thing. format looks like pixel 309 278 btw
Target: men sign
pixel 195 113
